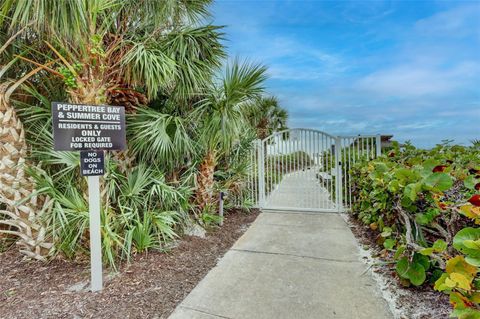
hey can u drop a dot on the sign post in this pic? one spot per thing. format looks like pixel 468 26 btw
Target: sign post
pixel 90 129
pixel 96 275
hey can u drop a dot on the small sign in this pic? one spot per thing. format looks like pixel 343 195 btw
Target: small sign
pixel 92 163
pixel 79 127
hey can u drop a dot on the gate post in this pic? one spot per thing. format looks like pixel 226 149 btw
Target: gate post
pixel 261 174
pixel 378 142
pixel 339 175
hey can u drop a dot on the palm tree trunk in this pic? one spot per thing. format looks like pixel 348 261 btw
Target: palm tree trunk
pixel 23 208
pixel 205 181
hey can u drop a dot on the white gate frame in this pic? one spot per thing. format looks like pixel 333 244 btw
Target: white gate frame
pixel 347 150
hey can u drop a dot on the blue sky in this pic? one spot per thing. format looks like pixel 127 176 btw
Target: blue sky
pixel 408 68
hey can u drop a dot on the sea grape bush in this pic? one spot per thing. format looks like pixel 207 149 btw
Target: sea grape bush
pixel 425 207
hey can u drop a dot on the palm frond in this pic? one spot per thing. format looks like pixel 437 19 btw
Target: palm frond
pixel 159 137
pixel 148 67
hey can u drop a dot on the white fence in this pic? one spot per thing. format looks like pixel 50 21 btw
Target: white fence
pixel 307 170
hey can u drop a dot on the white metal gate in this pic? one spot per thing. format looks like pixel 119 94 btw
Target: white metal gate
pixel 307 170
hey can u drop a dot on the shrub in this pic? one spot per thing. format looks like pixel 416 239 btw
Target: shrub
pixel 423 204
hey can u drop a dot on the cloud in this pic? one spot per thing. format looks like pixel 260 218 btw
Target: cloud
pixel 367 67
pixel 416 79
pixel 456 22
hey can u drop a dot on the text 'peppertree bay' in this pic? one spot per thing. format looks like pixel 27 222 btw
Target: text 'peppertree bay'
pixel 88 127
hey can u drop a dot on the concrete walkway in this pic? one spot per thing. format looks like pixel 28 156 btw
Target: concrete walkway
pixel 288 265
pixel 301 189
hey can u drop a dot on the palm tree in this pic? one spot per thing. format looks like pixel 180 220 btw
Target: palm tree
pixel 267 117
pixel 110 51
pixel 105 51
pixel 23 208
pixel 223 120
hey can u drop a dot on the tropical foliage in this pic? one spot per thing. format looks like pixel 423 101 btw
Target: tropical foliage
pixel 424 206
pixel 267 117
pixel 188 122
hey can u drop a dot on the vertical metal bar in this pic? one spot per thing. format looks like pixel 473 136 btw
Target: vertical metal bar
pixel 338 178
pixel 255 174
pixel 257 190
pixel 358 148
pixel 368 148
pixel 269 169
pixel 363 146
pixel 96 282
pixel 287 154
pixel 322 168
pixel 283 166
pixel 329 172
pixel 317 167
pixel 253 178
pixel 294 152
pixel 333 159
pixel 345 168
pixel 350 165
pixel 274 160
pixel 261 175
pixel 311 171
pixel 372 142
pixel 378 145
pixel 277 159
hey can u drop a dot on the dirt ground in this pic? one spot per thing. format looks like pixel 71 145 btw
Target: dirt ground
pixel 408 302
pixel 149 287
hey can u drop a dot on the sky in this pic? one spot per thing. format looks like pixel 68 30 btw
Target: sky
pixel 407 68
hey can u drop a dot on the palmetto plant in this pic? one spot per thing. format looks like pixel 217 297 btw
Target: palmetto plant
pixel 104 47
pixel 154 135
pixel 103 51
pixel 267 117
pixel 123 52
pixel 185 127
pixel 223 120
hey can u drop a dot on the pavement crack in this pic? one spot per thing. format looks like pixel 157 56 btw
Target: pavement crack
pixel 204 312
pixel 293 255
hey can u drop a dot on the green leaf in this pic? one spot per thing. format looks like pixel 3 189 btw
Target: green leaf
pixel 470 182
pixel 422 219
pixel 389 243
pixel 399 252
pixel 439 182
pixel 464 236
pixel 402 267
pixel 405 175
pixel 426 251
pixel 393 186
pixel 429 164
pixel 381 167
pixel 421 260
pixel 416 274
pixel 474 261
pixel 411 191
pixel 466 313
pixel 428 217
pixel 440 283
pixel 439 245
pixel 472 244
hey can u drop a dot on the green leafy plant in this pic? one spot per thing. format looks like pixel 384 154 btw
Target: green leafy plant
pixel 423 204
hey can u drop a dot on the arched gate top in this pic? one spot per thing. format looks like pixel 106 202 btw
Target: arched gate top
pixel 297 130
